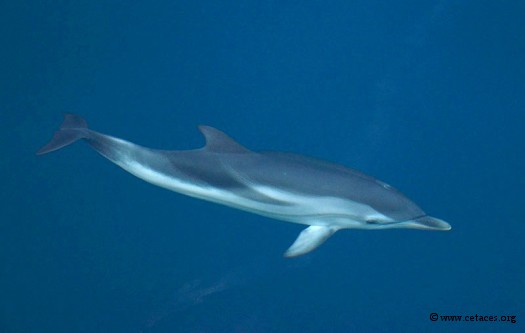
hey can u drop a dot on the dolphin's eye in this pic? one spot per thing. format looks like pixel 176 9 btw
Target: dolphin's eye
pixel 373 221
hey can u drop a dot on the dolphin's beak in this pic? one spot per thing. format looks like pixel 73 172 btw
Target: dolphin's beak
pixel 432 223
pixel 428 223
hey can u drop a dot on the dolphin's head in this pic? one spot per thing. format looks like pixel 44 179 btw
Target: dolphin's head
pixel 395 210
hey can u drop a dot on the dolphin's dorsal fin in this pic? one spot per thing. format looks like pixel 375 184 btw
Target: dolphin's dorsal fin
pixel 217 141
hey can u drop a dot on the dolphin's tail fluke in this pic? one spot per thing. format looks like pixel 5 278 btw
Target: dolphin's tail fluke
pixel 72 129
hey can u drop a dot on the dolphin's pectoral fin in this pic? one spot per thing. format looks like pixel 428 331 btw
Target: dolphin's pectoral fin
pixel 309 239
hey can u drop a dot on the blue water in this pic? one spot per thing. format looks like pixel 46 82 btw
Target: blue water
pixel 427 96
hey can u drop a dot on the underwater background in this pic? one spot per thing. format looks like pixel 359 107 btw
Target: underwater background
pixel 428 96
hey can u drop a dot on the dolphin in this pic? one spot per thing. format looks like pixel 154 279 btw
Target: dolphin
pixel 324 196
